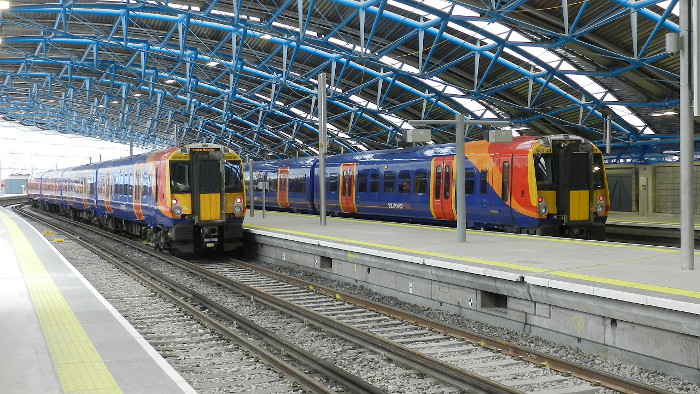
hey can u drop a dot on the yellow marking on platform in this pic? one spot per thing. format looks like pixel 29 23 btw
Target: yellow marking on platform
pixel 624 283
pixel 507 235
pixel 407 250
pixel 79 367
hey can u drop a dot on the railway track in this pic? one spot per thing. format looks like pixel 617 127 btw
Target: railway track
pixel 462 360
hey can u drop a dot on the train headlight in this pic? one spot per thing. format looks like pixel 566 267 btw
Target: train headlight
pixel 237 209
pixel 177 210
pixel 600 205
pixel 542 206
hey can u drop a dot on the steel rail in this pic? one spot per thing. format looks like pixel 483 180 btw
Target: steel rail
pixel 602 378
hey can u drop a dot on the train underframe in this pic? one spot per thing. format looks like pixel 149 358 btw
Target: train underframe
pixel 183 238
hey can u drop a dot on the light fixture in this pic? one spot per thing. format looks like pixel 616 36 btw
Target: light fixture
pixel 266 36
pixel 665 113
pixel 115 102
pixel 137 94
pixel 101 106
pixel 169 81
pixel 213 63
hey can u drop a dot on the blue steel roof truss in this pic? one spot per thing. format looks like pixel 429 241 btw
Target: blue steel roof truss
pixel 243 73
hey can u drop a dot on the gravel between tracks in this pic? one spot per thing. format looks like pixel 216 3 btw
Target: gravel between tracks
pixel 633 372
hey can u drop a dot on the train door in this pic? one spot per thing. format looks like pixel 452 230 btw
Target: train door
pixel 138 209
pixel 347 187
pixel 207 184
pixel 506 213
pixel 574 189
pixel 441 188
pixel 283 187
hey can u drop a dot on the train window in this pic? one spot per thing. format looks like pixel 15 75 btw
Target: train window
pixel 374 182
pixel 598 179
pixel 180 176
pixel 333 183
pixel 505 176
pixel 448 180
pixel 233 177
pixel 438 181
pixel 297 184
pixel 389 178
pixel 130 186
pixel 469 182
pixel 484 181
pixel 544 171
pixel 347 183
pixel 420 182
pixel 362 182
pixel 579 171
pixel 404 182
pixel 272 182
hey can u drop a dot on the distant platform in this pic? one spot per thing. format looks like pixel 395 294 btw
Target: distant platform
pixel 58 334
pixel 631 224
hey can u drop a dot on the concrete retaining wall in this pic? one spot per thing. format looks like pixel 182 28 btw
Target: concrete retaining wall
pixel 652 332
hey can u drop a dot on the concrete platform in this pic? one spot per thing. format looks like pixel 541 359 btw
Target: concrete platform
pixel 657 225
pixel 626 302
pixel 58 334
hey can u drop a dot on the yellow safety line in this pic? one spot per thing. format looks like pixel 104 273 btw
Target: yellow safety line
pixel 79 367
pixel 408 250
pixel 589 278
pixel 624 283
pixel 497 234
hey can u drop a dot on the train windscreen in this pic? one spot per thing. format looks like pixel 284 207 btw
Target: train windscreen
pixel 598 178
pixel 544 172
pixel 179 177
pixel 233 172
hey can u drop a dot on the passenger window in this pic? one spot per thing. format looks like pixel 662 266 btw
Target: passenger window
pixel 505 192
pixel 420 182
pixel 469 182
pixel 333 183
pixel 483 182
pixel 374 182
pixel 389 177
pixel 362 182
pixel 405 182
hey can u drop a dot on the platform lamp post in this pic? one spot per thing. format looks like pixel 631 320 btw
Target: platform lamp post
pixel 686 43
pixel 322 142
pixel 250 187
pixel 461 198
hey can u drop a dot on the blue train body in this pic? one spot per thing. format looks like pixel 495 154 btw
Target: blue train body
pixel 509 186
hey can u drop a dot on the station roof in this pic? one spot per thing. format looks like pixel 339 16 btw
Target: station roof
pixel 244 72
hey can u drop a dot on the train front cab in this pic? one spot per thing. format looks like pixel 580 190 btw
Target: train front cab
pixel 207 199
pixel 572 192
